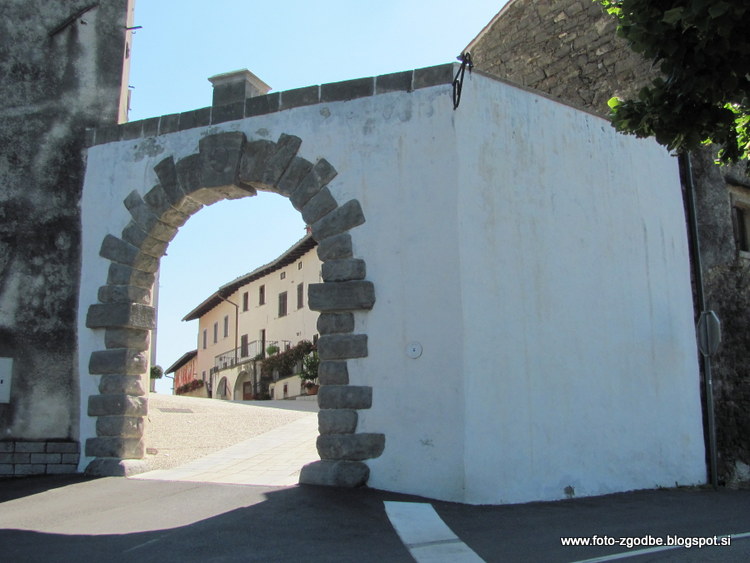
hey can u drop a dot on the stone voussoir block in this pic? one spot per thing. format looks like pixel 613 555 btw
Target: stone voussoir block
pixel 117 250
pixel 320 174
pixel 285 150
pixel 335 323
pixel 252 165
pixel 348 269
pixel 350 447
pixel 147 220
pixel 136 236
pixel 189 173
pixel 167 174
pixel 121 315
pixel 124 294
pixel 319 206
pixel 220 158
pixel 340 220
pixel 337 421
pixel 293 175
pixel 337 247
pixel 117 405
pixel 331 297
pixel 156 198
pixel 120 274
pixel 333 372
pixel 115 447
pixel 342 346
pixel 344 397
pixel 114 384
pixel 136 339
pixel 125 426
pixel 118 361
pixel 330 473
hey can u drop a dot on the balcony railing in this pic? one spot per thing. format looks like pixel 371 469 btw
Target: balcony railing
pixel 254 349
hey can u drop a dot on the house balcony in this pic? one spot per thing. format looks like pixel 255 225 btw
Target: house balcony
pixel 254 350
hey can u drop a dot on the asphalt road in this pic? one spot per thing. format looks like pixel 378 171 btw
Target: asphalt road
pixel 51 519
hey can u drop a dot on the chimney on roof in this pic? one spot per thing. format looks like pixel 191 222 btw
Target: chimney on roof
pixel 236 86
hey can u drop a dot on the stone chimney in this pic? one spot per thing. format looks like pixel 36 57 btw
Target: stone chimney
pixel 236 86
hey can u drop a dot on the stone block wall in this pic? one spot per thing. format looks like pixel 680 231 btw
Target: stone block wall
pixel 565 48
pixel 19 458
pixel 568 50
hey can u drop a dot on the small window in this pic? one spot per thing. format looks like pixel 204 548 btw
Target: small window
pixel 299 265
pixel 742 228
pixel 205 337
pixel 226 326
pixel 262 295
pixel 204 375
pixel 245 301
pixel 300 295
pixel 283 275
pixel 282 304
pixel 216 332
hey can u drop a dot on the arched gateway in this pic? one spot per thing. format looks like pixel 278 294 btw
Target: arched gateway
pixel 229 166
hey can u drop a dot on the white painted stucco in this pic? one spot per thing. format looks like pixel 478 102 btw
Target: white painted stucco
pixel 538 258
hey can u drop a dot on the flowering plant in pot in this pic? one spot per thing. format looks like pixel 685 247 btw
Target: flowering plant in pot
pixel 309 373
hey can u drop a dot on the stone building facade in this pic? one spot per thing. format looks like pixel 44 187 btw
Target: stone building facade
pixel 569 50
pixel 63 65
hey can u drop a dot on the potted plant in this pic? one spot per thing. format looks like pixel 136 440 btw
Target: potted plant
pixel 309 373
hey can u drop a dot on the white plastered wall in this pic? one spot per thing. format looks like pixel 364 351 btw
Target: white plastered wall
pixel 580 367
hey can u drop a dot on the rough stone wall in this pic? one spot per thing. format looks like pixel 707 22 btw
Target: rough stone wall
pixel 568 49
pixel 62 68
pixel 565 48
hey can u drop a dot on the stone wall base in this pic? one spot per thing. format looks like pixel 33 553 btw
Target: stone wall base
pixel 20 458
pixel 115 467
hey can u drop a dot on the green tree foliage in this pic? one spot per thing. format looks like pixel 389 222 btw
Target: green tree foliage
pixel 702 48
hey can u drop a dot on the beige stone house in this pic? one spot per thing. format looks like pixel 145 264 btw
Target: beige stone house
pixel 264 309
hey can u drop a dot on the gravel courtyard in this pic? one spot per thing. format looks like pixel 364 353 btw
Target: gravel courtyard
pixel 181 429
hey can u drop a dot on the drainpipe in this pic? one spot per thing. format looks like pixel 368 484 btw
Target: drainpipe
pixel 692 218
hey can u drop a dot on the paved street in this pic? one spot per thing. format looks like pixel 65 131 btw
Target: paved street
pixel 204 510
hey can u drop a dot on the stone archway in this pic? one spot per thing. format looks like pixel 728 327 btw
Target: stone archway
pixel 228 166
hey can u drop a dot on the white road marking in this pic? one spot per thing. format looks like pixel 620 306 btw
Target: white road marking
pixel 426 536
pixel 636 553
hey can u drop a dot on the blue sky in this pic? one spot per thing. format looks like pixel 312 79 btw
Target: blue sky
pixel 288 45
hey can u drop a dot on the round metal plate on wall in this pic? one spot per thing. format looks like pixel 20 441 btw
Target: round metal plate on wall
pixel 414 350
